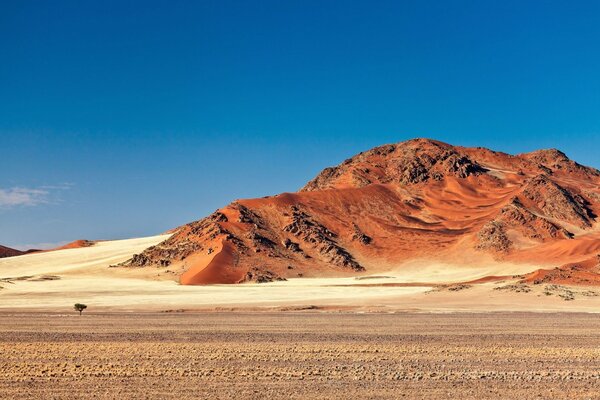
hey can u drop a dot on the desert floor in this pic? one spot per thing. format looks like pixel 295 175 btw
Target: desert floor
pixel 299 355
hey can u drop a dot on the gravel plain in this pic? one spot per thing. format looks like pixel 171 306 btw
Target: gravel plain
pixel 299 355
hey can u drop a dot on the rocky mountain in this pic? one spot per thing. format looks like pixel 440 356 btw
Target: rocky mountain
pixel 8 252
pixel 419 199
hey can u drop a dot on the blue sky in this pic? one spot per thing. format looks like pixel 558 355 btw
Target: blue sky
pixel 121 119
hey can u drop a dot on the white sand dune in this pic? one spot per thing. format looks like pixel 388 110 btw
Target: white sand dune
pixel 57 279
pixel 84 260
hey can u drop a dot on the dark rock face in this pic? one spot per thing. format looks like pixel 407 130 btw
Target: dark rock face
pixel 531 225
pixel 292 246
pixel 247 216
pixel 318 237
pixel 309 230
pixel 408 163
pixel 8 252
pixel 557 202
pixel 359 236
pixel 163 254
pixel 493 237
pixel 261 241
pixel 552 160
pixel 186 241
pixel 260 275
pixel 322 180
pixel 543 211
pixel 416 168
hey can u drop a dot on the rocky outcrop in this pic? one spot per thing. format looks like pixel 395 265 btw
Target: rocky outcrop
pixel 553 160
pixel 492 236
pixel 554 201
pixel 260 275
pixel 321 239
pixel 8 252
pixel 414 168
pixel 360 236
pixel 186 240
pixel 408 163
pixel 542 211
pixel 292 246
pixel 324 179
pixel 163 254
pixel 259 241
pixel 531 225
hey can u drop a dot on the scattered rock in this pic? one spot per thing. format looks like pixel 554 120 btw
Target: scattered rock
pixel 493 237
pixel 518 288
pixel 358 235
pixel 260 275
pixel 458 287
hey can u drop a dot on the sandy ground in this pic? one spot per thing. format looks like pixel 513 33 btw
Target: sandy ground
pixel 56 280
pixel 299 355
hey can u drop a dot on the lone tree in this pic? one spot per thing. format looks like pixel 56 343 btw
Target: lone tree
pixel 79 307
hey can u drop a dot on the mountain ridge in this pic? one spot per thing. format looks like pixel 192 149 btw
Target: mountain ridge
pixel 10 252
pixel 419 199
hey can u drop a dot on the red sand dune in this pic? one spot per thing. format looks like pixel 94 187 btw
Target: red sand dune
pixel 76 244
pixel 8 252
pixel 420 199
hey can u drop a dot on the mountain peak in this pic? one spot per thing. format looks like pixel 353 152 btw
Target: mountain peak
pixel 410 162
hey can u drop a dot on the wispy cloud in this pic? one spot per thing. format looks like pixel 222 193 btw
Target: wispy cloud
pixel 28 197
pixel 22 197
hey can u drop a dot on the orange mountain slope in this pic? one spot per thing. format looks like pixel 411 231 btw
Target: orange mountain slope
pixel 76 244
pixel 8 252
pixel 420 199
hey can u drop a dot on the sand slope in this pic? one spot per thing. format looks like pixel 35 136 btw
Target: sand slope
pixel 76 261
pixel 56 280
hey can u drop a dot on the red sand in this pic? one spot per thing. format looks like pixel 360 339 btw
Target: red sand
pixel 76 244
pixel 585 273
pixel 8 252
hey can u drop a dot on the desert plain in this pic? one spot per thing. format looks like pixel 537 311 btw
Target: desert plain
pixel 299 355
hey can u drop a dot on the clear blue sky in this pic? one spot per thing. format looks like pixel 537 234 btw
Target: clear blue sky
pixel 121 119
